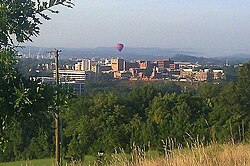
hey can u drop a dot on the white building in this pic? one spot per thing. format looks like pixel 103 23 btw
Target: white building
pixel 73 75
pixel 83 65
pixel 218 74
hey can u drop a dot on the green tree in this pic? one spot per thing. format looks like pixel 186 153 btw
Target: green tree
pixel 231 73
pixel 230 118
pixel 138 100
pixel 209 92
pixel 78 131
pixel 19 19
pixel 178 116
pixel 226 114
pixel 24 104
pixel 243 86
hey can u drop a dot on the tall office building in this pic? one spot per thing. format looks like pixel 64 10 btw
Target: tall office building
pixel 83 65
pixel 86 65
pixel 118 64
pixel 164 63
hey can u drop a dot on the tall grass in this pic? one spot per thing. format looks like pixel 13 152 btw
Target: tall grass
pixel 195 154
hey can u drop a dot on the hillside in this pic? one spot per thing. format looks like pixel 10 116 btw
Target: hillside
pixel 130 53
pixel 108 52
pixel 196 59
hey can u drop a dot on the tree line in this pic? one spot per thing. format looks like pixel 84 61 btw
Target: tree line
pixel 118 117
pixel 147 115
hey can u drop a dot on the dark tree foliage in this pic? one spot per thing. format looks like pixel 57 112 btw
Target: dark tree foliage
pixel 231 73
pixel 19 19
pixel 24 111
pixel 26 106
pixel 230 118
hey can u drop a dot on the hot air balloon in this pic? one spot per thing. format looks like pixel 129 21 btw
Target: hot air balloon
pixel 119 46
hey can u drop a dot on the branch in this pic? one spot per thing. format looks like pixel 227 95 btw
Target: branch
pixel 45 6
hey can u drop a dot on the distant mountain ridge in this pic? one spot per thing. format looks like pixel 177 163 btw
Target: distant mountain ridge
pixel 107 52
pixel 199 60
pixel 236 58
pixel 130 53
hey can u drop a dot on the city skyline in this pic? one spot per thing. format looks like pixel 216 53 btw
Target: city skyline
pixel 211 27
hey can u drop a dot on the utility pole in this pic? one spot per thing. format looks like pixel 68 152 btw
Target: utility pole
pixel 57 114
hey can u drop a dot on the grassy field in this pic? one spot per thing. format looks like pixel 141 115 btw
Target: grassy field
pixel 212 155
pixel 88 160
pixel 195 154
pixel 42 162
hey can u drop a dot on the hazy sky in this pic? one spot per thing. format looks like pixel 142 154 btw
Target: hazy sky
pixel 211 26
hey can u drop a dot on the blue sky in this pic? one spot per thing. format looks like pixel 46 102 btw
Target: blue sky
pixel 213 27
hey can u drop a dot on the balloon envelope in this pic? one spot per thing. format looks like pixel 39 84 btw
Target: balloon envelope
pixel 120 46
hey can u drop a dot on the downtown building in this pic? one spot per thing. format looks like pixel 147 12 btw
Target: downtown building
pixel 117 64
pixel 83 65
